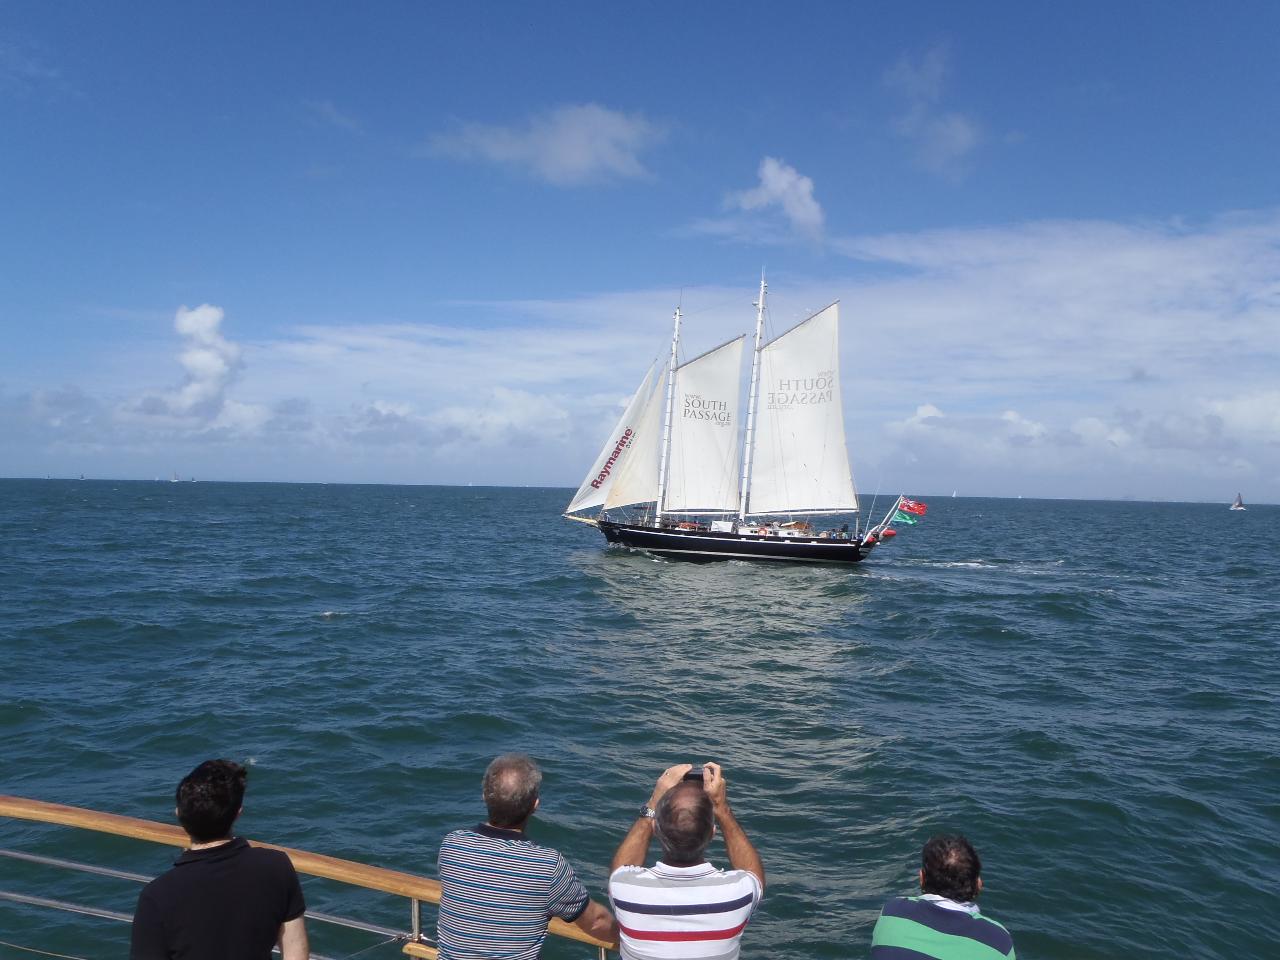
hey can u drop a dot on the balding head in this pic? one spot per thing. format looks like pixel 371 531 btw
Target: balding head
pixel 685 824
pixel 511 787
pixel 949 867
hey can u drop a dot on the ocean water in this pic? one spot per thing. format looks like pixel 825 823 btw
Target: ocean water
pixel 1087 690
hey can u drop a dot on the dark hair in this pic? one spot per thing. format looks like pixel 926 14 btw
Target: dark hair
pixel 209 799
pixel 684 823
pixel 511 789
pixel 951 868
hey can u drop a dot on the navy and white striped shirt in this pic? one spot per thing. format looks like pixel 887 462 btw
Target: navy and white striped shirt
pixel 499 891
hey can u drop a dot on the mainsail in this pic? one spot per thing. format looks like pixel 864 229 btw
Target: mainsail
pixel 799 463
pixel 703 472
pixel 604 472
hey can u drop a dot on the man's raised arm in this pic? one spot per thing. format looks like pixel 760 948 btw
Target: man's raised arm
pixel 742 854
pixel 634 848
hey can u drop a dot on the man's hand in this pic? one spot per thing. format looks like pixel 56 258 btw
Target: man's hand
pixel 670 777
pixel 598 922
pixel 717 788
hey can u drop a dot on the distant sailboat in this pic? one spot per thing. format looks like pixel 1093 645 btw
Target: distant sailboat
pixel 174 478
pixel 675 455
pixel 1239 503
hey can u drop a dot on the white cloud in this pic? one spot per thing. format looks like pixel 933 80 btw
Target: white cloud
pixel 210 359
pixel 999 360
pixel 327 113
pixel 24 68
pixel 780 209
pixel 1052 320
pixel 783 187
pixel 566 146
pixel 943 139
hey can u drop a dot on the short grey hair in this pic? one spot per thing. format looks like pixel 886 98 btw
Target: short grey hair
pixel 685 824
pixel 511 785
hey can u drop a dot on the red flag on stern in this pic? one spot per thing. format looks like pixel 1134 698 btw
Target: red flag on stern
pixel 913 506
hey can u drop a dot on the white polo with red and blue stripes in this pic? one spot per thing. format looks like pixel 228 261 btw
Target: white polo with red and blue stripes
pixel 682 913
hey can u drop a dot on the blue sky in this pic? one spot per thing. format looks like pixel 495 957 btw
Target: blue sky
pixel 441 243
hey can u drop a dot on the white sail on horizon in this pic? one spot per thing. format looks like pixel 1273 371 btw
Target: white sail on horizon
pixel 637 480
pixel 799 461
pixel 616 451
pixel 702 476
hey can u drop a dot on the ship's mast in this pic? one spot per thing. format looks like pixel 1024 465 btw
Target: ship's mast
pixel 751 402
pixel 666 423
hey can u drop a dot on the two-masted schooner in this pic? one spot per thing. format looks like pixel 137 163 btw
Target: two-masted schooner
pixel 679 477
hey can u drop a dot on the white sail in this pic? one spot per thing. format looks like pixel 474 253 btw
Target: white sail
pixel 703 472
pixel 799 463
pixel 595 488
pixel 637 480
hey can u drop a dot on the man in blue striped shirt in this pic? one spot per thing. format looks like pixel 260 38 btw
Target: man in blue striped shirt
pixel 499 890
pixel 943 923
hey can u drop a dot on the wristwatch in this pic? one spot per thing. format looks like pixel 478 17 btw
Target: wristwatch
pixel 647 812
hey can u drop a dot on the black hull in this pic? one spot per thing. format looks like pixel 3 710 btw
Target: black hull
pixel 705 546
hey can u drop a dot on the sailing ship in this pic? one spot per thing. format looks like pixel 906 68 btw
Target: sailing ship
pixel 676 479
pixel 1238 504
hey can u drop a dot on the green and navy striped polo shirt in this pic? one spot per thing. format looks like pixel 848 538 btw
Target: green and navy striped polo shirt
pixel 931 928
pixel 498 893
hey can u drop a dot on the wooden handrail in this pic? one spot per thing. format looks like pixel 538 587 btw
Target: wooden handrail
pixel 311 864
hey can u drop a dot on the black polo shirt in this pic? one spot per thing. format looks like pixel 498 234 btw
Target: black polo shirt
pixel 223 903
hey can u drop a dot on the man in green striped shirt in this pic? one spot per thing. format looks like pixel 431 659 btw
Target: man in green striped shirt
pixel 943 923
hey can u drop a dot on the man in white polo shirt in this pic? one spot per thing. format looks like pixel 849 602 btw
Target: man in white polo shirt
pixel 683 908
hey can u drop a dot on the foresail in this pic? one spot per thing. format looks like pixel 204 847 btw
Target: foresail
pixel 799 462
pixel 595 488
pixel 637 479
pixel 703 472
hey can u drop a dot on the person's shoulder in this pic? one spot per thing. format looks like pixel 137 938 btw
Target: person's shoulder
pixel 156 888
pixel 900 906
pixel 264 858
pixel 745 879
pixel 995 923
pixel 629 871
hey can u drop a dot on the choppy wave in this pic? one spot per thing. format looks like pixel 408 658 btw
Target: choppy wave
pixel 1084 689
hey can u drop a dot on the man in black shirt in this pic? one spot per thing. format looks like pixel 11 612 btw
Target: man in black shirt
pixel 223 899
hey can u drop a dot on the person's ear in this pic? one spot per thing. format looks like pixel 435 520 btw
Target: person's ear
pixel 979 885
pixel 921 874
pixel 238 812
pixel 537 802
pixel 175 813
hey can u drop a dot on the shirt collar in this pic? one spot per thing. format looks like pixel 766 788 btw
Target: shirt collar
pixel 969 907
pixel 209 854
pixel 500 833
pixel 697 870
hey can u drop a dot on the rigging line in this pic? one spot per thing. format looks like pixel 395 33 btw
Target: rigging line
pixel 43 953
pixel 872 509
pixel 708 308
